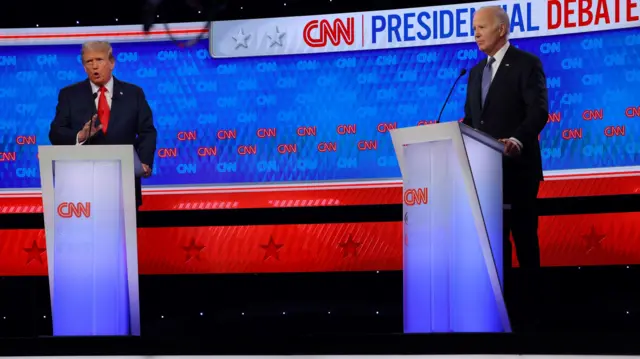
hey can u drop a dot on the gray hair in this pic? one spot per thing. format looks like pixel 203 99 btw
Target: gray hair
pixel 501 17
pixel 103 46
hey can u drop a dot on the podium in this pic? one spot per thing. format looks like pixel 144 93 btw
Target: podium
pixel 452 250
pixel 88 196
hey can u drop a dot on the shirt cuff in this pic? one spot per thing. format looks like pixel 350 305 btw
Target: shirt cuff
pixel 79 143
pixel 517 142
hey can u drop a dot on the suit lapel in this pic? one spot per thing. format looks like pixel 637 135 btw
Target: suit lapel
pixel 501 74
pixel 477 87
pixel 87 96
pixel 116 104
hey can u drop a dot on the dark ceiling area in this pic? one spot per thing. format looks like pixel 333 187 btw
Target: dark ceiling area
pixel 21 14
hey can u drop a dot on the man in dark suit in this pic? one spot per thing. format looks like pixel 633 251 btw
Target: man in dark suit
pixel 507 98
pixel 103 110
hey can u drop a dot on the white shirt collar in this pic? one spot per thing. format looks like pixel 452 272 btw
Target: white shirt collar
pixel 500 55
pixel 108 85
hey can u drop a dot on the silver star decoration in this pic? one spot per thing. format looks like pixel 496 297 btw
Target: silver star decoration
pixel 241 39
pixel 277 38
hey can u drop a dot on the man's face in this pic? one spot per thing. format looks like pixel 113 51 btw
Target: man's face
pixel 488 33
pixel 98 66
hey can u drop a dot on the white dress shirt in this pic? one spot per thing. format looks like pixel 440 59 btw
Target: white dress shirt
pixel 109 95
pixel 498 57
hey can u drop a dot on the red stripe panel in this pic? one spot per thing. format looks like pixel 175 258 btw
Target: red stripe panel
pixel 590 187
pixel 238 249
pixel 281 198
pixel 330 197
pixel 17 204
pixel 103 34
pixel 593 239
pixel 23 253
pixel 273 199
pixel 365 196
pixel 572 240
pixel 272 249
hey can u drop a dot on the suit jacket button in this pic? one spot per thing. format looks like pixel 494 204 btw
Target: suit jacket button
pixel 482 122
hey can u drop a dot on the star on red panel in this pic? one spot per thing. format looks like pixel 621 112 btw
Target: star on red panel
pixel 593 239
pixel 350 247
pixel 272 249
pixel 35 252
pixel 193 250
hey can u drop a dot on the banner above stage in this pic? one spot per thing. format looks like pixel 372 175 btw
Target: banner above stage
pixel 427 26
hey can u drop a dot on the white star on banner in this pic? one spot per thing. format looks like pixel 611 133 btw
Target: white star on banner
pixel 277 38
pixel 241 39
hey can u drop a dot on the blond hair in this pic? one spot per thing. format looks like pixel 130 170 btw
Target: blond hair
pixel 103 46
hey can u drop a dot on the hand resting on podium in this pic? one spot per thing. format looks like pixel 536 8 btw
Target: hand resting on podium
pixel 511 147
pixel 146 170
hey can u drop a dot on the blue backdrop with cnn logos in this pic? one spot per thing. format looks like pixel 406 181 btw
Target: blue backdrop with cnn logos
pixel 322 116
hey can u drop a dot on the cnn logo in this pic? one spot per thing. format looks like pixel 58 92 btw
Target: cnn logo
pixel 415 196
pixel 78 210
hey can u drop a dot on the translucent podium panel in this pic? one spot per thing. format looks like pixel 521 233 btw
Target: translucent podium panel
pixel 447 282
pixel 486 168
pixel 89 284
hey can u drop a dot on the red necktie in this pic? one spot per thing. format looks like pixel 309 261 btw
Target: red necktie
pixel 103 109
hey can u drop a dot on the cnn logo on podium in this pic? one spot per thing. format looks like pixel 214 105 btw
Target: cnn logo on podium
pixel 77 210
pixel 415 196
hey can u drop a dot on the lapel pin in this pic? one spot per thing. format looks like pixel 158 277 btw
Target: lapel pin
pixel 507 65
pixel 121 91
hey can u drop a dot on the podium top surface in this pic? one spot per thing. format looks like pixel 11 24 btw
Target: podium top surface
pixel 454 131
pixel 443 131
pixel 80 153
pixel 482 137
pixel 124 153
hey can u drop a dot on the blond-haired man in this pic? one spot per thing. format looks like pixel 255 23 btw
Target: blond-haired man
pixel 103 110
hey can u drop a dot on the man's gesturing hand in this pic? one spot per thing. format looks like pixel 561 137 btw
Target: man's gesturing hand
pixel 84 134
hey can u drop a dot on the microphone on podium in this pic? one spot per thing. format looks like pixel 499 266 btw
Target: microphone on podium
pixel 95 94
pixel 462 72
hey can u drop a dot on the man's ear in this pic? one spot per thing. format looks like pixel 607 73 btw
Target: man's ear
pixel 503 29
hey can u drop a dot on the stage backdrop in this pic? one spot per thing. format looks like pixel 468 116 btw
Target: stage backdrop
pixel 313 98
pixel 263 103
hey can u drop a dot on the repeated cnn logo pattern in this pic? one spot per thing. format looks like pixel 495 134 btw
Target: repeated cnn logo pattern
pixel 321 117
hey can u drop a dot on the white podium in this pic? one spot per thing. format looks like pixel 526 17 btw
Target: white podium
pixel 88 195
pixel 452 205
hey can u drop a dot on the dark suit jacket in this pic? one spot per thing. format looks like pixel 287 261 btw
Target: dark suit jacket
pixel 130 122
pixel 516 106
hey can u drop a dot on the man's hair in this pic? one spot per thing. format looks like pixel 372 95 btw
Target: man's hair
pixel 103 46
pixel 501 17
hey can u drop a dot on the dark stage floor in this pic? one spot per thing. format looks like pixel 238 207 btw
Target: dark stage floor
pixel 590 299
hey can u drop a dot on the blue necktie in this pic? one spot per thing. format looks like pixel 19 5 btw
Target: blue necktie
pixel 486 78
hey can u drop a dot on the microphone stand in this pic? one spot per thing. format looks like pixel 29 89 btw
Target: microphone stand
pixel 88 141
pixel 462 72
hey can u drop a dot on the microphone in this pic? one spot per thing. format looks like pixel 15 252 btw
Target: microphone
pixel 91 121
pixel 462 72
